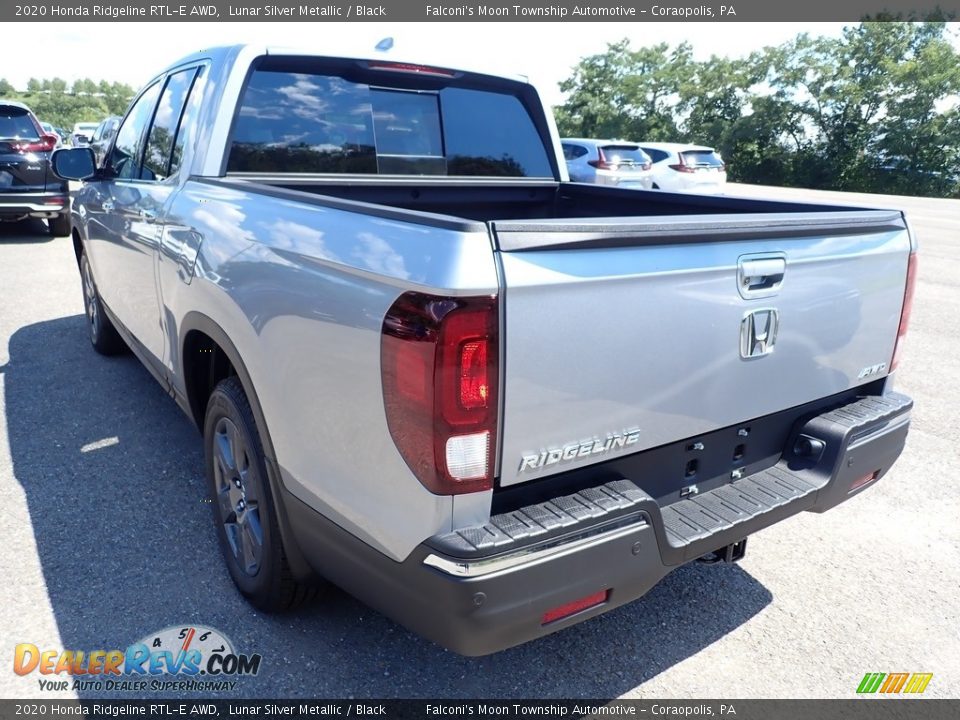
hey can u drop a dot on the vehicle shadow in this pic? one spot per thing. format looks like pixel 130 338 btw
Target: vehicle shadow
pixel 24 232
pixel 112 473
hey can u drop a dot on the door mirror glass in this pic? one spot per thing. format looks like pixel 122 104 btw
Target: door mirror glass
pixel 74 163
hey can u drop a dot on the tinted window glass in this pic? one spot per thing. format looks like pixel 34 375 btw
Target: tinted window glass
pixel 297 122
pixel 188 122
pixel 15 123
pixel 163 132
pixel 624 155
pixel 491 134
pixel 702 158
pixel 125 159
pixel 304 123
pixel 572 152
pixel 656 155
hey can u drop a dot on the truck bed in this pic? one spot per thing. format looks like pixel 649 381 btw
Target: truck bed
pixel 630 308
pixel 501 200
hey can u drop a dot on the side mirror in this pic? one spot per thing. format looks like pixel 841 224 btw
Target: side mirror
pixel 74 163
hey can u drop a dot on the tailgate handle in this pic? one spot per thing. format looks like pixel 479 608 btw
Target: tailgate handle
pixel 762 273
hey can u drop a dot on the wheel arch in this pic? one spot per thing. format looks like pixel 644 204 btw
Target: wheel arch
pixel 196 331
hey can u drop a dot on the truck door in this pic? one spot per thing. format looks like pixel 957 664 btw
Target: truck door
pixel 134 197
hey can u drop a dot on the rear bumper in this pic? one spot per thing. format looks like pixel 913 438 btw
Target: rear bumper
pixel 484 589
pixel 39 205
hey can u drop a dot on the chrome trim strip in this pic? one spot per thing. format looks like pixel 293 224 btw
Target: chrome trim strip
pixel 534 553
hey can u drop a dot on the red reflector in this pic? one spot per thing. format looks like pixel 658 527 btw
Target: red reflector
pixel 474 387
pixel 409 68
pixel 572 608
pixel 864 480
pixel 907 309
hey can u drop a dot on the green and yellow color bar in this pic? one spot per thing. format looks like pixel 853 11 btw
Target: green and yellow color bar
pixel 888 683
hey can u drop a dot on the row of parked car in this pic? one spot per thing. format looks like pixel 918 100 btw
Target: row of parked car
pixel 675 167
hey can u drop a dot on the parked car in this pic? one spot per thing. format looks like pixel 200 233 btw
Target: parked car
pixel 679 167
pixel 51 130
pixel 82 132
pixel 488 402
pixel 103 136
pixel 28 187
pixel 607 162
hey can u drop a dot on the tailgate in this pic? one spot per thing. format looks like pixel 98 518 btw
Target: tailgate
pixel 21 172
pixel 622 335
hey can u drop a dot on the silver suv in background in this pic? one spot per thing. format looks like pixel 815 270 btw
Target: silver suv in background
pixel 680 167
pixel 607 162
pixel 82 132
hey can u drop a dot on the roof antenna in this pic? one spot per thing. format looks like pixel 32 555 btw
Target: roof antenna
pixel 385 44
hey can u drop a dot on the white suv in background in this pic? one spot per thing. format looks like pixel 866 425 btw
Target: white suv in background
pixel 607 162
pixel 679 167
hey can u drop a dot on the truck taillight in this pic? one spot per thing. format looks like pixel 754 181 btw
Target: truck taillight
pixel 907 309
pixel 439 365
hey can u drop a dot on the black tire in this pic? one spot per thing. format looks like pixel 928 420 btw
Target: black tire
pixel 103 335
pixel 244 509
pixel 61 225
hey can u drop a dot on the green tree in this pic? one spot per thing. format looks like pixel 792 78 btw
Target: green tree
pixel 874 101
pixel 877 109
pixel 626 93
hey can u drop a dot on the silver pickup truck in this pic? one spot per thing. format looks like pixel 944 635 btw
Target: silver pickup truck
pixel 487 401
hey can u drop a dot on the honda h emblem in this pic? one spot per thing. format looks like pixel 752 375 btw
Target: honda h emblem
pixel 758 332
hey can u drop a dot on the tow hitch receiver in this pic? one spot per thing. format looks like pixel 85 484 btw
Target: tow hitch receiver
pixel 731 553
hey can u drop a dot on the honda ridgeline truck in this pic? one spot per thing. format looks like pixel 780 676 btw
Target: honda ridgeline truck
pixel 487 401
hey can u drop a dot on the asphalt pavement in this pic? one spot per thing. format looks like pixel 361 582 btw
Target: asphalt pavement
pixel 106 537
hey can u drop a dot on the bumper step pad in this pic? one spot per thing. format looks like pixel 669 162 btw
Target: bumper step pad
pixel 875 427
pixel 733 504
pixel 561 516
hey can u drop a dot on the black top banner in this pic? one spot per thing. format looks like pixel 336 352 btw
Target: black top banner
pixel 470 10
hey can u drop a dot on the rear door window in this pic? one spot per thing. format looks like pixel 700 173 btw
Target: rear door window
pixel 163 132
pixel 323 123
pixel 656 155
pixel 572 152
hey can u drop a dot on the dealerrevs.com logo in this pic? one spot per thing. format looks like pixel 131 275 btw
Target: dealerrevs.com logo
pixel 190 657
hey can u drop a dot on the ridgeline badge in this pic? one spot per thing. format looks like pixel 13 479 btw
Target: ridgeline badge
pixel 173 659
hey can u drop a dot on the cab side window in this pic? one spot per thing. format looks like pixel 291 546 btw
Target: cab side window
pixel 126 159
pixel 166 121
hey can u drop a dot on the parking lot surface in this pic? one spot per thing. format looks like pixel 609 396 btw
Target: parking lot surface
pixel 107 539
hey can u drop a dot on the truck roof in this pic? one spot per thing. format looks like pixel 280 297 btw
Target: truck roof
pixel 342 49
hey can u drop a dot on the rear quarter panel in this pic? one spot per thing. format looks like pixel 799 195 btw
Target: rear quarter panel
pixel 302 290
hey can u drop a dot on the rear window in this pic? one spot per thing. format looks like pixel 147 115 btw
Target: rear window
pixel 701 158
pixel 319 123
pixel 624 154
pixel 16 123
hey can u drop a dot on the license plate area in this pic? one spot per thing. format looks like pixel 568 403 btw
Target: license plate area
pixel 680 470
